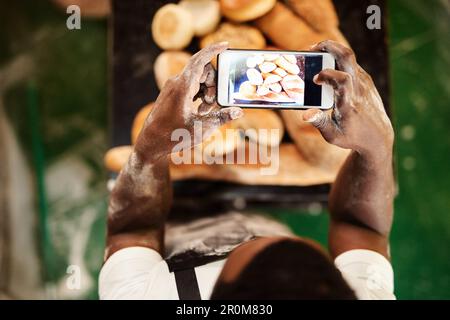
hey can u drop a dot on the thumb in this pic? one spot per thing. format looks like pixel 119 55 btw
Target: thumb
pixel 228 114
pixel 221 116
pixel 323 122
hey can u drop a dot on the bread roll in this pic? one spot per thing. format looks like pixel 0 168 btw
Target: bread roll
pixel 138 122
pixel 246 89
pixel 169 64
pixel 275 87
pixel 224 140
pixel 239 36
pixel 254 77
pixel 172 27
pixel 267 67
pixel 319 14
pixel 284 64
pixel 245 10
pixel 260 119
pixel 256 119
pixel 205 15
pixel 117 157
pixel 271 79
pixel 287 30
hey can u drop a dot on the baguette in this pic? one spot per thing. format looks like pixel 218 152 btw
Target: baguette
pixel 287 30
pixel 245 10
pixel 319 14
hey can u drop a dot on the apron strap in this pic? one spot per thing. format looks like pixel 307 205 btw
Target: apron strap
pixel 187 284
pixel 183 266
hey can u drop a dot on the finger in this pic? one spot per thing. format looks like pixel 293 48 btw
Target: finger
pixel 206 108
pixel 342 85
pixel 195 68
pixel 323 122
pixel 221 116
pixel 200 92
pixel 198 61
pixel 345 57
pixel 207 95
pixel 208 76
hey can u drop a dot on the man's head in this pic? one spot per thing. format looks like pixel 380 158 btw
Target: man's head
pixel 280 268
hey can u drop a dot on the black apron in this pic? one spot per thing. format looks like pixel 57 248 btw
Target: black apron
pixel 219 236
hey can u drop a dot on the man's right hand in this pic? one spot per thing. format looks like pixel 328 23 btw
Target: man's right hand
pixel 358 120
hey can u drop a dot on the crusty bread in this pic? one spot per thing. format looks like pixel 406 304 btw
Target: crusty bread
pixel 245 10
pixel 257 119
pixel 239 36
pixel 289 31
pixel 205 15
pixel 169 64
pixel 139 120
pixel 319 14
pixel 117 157
pixel 224 140
pixel 286 29
pixel 172 27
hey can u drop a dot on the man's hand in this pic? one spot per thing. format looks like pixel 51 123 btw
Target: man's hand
pixel 358 120
pixel 361 199
pixel 175 108
pixel 142 195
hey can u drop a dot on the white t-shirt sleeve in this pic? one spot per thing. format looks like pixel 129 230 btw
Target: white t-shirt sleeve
pixel 135 273
pixel 368 273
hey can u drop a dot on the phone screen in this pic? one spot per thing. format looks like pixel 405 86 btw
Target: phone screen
pixel 271 78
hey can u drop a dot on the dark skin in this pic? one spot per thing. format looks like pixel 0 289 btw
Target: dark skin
pixel 142 196
pixel 360 201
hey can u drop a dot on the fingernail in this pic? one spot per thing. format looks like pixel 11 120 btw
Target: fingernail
pixel 315 78
pixel 223 43
pixel 209 99
pixel 315 117
pixel 236 114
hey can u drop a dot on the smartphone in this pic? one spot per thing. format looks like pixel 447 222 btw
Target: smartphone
pixel 273 79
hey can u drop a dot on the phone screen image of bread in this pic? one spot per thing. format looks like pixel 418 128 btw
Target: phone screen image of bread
pixel 180 29
pixel 268 78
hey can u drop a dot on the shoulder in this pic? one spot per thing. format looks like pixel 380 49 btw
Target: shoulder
pixel 136 273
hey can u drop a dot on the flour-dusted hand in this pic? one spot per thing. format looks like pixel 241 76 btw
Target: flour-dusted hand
pixel 175 107
pixel 358 120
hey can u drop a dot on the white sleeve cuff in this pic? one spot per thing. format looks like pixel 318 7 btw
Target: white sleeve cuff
pixel 368 273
